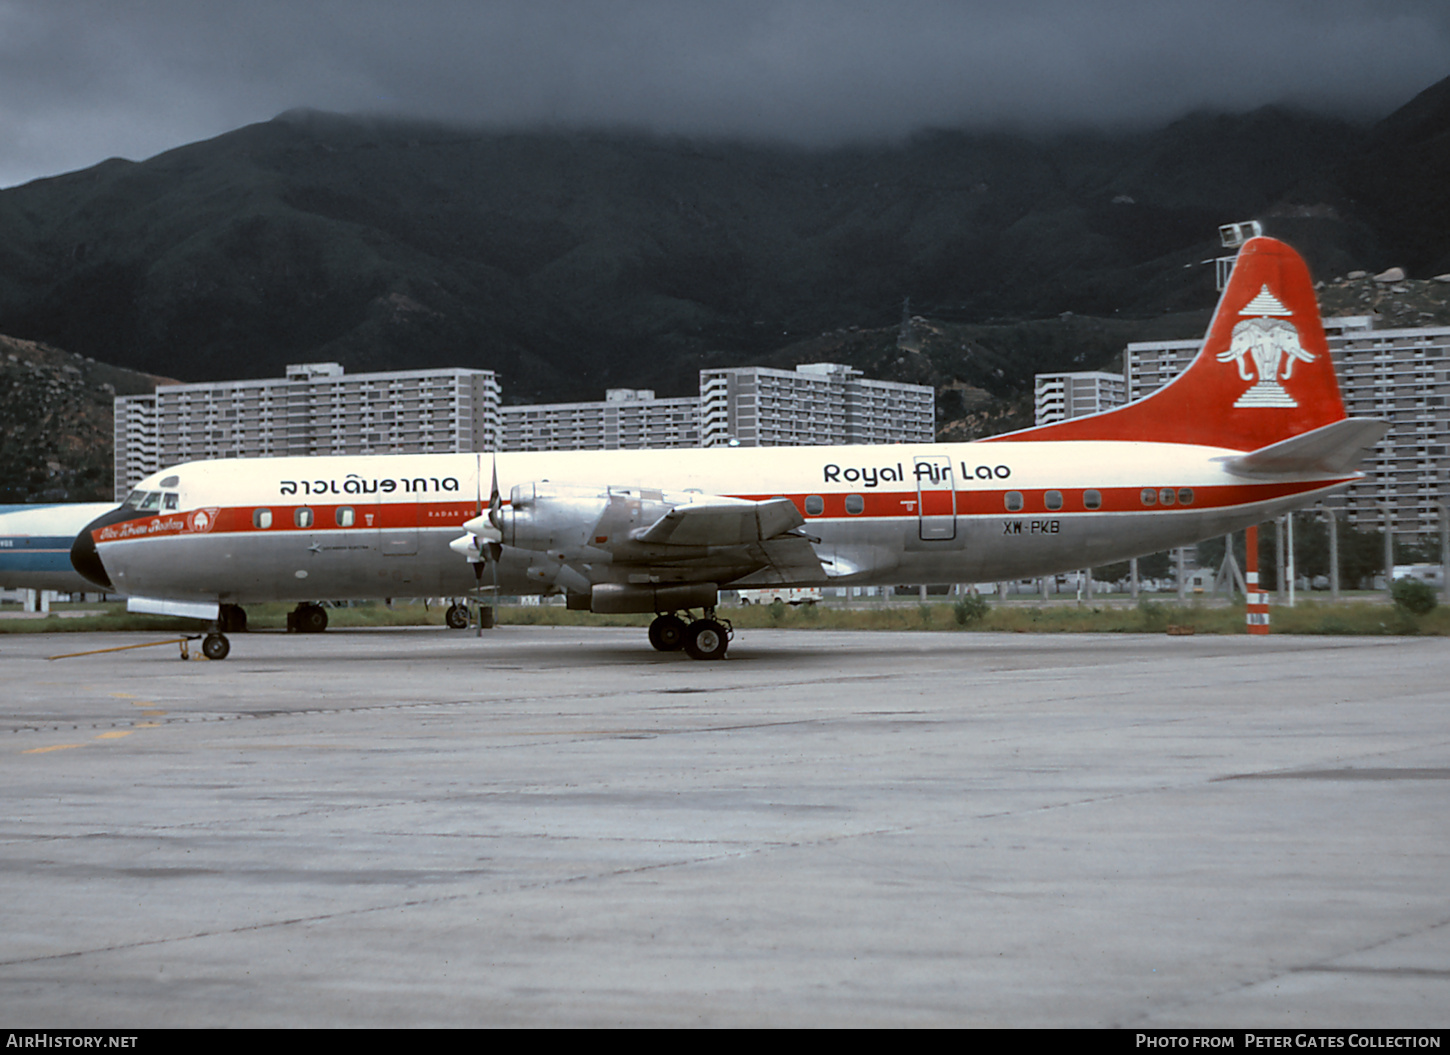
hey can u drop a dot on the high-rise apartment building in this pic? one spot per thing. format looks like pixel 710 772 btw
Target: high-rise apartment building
pixel 1058 397
pixel 316 409
pixel 627 419
pixel 320 409
pixel 816 403
pixel 1401 376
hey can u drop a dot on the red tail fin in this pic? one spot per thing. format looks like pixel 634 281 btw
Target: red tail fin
pixel 1263 374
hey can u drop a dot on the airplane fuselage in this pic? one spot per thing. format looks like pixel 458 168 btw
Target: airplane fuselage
pixel 358 527
pixel 35 545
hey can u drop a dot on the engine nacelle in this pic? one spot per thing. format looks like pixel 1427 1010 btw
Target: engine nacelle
pixel 613 598
pixel 574 522
pixel 552 518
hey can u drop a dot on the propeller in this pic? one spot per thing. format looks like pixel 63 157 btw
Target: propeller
pixel 483 543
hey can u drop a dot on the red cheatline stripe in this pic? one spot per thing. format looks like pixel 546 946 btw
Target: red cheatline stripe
pixel 876 505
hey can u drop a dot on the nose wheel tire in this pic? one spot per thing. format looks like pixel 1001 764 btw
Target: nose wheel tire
pixel 706 639
pixel 667 633
pixel 456 617
pixel 215 646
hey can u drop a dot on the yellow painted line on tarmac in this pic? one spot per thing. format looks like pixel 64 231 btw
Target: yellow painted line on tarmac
pixel 136 701
pixel 115 734
pixel 44 750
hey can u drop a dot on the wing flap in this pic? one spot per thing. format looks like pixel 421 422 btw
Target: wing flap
pixel 790 560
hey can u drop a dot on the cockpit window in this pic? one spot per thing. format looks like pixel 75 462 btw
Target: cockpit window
pixel 150 501
pixel 171 500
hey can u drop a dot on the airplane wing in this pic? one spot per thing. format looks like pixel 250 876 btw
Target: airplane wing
pixel 1333 448
pixel 621 539
pixel 722 522
pixel 766 529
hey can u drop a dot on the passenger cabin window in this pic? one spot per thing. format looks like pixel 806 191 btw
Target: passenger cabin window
pixel 345 516
pixel 1165 496
pixel 855 505
pixel 1053 500
pixel 1014 501
pixel 815 505
pixel 261 518
pixel 302 517
pixel 1092 500
pixel 1185 496
pixel 1149 496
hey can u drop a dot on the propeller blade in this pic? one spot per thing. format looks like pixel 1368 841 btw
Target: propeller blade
pixel 495 501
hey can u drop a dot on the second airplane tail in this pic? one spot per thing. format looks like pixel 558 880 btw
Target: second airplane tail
pixel 1262 376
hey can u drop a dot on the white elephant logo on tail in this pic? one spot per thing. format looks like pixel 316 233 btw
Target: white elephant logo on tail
pixel 1271 346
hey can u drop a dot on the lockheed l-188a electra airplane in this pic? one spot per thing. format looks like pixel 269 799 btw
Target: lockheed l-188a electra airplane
pixel 1254 427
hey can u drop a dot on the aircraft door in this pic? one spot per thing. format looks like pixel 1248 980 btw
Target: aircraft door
pixel 936 498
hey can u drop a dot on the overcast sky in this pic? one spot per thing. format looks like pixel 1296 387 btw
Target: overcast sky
pixel 84 80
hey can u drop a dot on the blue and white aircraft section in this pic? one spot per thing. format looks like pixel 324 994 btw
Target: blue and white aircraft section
pixel 35 543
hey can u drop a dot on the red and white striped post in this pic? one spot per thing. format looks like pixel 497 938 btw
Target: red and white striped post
pixel 1257 613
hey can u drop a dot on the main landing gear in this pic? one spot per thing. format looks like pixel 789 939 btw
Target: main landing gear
pixel 706 638
pixel 307 619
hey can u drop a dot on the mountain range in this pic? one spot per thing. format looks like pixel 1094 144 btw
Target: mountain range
pixel 573 261
pixel 569 261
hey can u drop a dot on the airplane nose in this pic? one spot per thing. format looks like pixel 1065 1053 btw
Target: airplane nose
pixel 83 556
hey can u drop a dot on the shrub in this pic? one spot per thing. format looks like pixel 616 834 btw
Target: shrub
pixel 1413 596
pixel 970 609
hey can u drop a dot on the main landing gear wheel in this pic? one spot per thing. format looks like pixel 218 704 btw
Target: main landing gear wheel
pixel 307 619
pixel 215 646
pixel 706 639
pixel 667 633
pixel 456 617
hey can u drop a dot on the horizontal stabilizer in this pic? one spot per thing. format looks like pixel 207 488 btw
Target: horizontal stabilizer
pixel 1335 448
pixel 722 522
